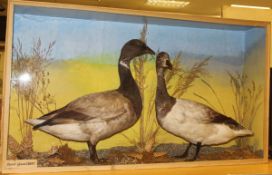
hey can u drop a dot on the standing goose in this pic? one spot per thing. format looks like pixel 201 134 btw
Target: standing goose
pixel 98 116
pixel 192 121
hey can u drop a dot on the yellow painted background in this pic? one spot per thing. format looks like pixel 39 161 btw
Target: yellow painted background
pixel 73 78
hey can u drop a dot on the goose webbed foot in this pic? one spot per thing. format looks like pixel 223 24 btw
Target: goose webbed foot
pixel 95 159
pixel 185 154
pixel 93 154
pixel 198 146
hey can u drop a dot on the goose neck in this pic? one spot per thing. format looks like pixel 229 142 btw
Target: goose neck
pixel 128 86
pixel 126 79
pixel 162 93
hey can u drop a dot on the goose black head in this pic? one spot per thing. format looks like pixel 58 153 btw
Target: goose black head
pixel 134 48
pixel 163 61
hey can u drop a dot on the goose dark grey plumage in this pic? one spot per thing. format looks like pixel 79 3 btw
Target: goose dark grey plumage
pixel 98 116
pixel 192 121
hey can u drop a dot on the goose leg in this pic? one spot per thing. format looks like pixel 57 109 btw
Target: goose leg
pixel 198 146
pixel 185 154
pixel 93 154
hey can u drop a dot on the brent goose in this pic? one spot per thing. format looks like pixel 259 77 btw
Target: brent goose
pixel 192 121
pixel 98 116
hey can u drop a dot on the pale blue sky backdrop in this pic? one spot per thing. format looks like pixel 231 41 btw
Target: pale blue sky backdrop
pixel 91 34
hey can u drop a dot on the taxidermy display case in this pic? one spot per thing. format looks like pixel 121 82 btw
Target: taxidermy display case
pixel 90 88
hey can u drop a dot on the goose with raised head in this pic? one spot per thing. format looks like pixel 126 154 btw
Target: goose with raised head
pixel 192 121
pixel 98 116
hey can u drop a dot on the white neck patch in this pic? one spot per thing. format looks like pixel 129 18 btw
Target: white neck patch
pixel 124 64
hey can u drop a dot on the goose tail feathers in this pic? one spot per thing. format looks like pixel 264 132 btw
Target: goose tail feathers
pixel 34 122
pixel 244 132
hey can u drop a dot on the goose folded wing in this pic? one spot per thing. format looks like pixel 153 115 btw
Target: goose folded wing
pixel 227 121
pixel 101 106
pixel 203 114
pixel 215 117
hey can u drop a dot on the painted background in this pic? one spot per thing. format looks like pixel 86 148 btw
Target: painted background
pixel 87 50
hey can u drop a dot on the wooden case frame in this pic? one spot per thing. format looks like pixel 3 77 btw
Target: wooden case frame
pixel 178 16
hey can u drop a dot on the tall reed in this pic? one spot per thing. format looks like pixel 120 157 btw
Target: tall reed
pixel 247 102
pixel 178 81
pixel 30 81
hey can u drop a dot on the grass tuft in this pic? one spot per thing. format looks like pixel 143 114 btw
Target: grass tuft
pixel 32 95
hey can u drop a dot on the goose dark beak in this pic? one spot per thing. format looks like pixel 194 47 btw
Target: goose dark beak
pixel 169 65
pixel 149 51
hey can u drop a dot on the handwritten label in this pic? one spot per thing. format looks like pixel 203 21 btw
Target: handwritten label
pixel 21 164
